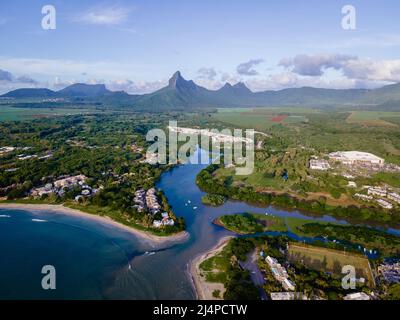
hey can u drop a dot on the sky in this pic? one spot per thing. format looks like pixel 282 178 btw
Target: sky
pixel 137 45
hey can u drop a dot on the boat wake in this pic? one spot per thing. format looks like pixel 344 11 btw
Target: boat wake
pixel 38 220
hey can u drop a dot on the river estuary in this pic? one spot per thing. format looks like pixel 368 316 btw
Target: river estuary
pixel 94 260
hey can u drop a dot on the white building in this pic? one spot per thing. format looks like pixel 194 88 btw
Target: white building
pixel 280 273
pixel 394 197
pixel 357 296
pixel 363 196
pixel 288 285
pixel 319 165
pixel 384 204
pixel 288 296
pixel 357 157
pixel 352 184
pixel 377 191
pixel 6 149
pixel 70 181
pixel 157 224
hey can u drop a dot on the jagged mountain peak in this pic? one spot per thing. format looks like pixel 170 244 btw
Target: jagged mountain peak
pixel 178 82
pixel 241 86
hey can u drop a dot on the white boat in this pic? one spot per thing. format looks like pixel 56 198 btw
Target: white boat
pixel 194 208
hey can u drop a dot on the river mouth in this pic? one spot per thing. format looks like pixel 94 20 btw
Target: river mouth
pixel 106 263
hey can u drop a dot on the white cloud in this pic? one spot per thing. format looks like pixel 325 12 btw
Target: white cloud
pixel 9 81
pixel 207 73
pixel 352 67
pixel 104 15
pixel 135 87
pixel 247 68
pixel 6 76
pixel 376 70
pixel 314 65
pixel 387 40
pixel 40 68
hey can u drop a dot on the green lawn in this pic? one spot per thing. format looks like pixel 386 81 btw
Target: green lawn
pixel 295 224
pixel 250 223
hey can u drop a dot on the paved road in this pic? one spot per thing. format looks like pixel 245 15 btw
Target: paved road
pixel 255 273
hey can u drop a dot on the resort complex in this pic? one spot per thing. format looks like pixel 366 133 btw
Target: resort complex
pixel 357 158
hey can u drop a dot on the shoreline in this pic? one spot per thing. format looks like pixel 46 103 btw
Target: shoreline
pixel 142 235
pixel 199 283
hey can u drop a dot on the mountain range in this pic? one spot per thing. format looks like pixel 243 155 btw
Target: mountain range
pixel 186 94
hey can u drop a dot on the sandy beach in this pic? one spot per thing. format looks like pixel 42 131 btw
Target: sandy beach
pixel 203 288
pixel 143 235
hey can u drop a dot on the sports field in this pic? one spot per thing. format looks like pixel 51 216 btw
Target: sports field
pixel 330 260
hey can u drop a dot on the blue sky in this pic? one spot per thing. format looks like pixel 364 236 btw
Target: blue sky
pixel 137 45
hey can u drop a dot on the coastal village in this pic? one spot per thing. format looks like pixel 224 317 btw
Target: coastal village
pixel 144 201
pixel 147 200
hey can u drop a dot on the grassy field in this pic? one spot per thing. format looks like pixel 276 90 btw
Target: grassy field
pixel 329 260
pixel 259 118
pixel 8 113
pixel 373 118
pixel 214 268
pixel 248 223
pixel 295 224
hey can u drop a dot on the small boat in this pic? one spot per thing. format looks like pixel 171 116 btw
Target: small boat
pixel 4 216
pixel 149 253
pixel 39 220
pixel 189 201
pixel 194 208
